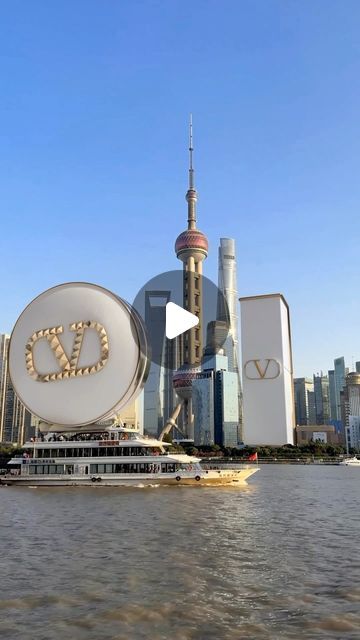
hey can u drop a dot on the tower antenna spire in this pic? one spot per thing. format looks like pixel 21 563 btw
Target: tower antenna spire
pixel 191 149
pixel 191 195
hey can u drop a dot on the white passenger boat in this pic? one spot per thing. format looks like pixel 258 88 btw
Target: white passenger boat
pixel 112 457
pixel 351 462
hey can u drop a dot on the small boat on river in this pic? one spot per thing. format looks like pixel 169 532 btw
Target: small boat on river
pixel 351 462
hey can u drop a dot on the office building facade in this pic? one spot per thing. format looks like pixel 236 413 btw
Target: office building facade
pixel 226 409
pixel 4 345
pixel 332 395
pixel 16 424
pixel 215 403
pixel 159 395
pixel 350 399
pixel 322 405
pixel 326 434
pixel 203 395
pixel 304 400
pixel 340 373
pixel 353 433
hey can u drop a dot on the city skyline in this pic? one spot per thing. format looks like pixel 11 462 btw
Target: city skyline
pixel 89 141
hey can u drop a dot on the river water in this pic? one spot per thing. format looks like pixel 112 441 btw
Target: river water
pixel 278 558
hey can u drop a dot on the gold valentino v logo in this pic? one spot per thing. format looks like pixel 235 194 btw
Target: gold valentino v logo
pixel 67 365
pixel 255 370
pixel 262 372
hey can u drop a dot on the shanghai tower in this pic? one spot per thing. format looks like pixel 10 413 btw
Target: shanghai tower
pixel 227 283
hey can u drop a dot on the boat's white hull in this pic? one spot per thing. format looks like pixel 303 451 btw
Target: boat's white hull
pixel 350 464
pixel 212 477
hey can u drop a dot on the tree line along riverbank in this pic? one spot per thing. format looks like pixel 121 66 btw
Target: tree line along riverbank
pixel 313 451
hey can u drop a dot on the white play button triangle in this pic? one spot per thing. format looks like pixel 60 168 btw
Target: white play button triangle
pixel 178 320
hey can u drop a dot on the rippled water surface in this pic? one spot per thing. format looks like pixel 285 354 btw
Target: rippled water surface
pixel 278 558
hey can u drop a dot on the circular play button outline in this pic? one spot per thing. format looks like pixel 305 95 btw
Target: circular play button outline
pixel 166 288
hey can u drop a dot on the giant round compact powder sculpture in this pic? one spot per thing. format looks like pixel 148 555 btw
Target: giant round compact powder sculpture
pixel 78 354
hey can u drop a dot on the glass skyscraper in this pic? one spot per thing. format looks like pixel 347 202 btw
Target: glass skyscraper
pixel 350 403
pixel 215 404
pixel 332 395
pixel 304 399
pixel 15 420
pixel 4 345
pixel 227 416
pixel 159 396
pixel 322 406
pixel 203 405
pixel 340 373
pixel 227 282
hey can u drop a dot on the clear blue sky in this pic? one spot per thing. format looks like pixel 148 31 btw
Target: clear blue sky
pixel 94 103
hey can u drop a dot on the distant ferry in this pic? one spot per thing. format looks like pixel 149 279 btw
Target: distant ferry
pixel 111 457
pixel 351 462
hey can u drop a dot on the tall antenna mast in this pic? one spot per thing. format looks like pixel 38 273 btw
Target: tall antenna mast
pixel 191 149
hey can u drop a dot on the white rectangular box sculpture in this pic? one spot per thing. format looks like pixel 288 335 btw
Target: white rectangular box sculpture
pixel 267 371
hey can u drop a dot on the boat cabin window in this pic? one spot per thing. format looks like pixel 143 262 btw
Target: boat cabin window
pixel 127 467
pixel 97 452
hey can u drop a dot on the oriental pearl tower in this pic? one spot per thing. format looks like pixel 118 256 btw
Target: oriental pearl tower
pixel 191 247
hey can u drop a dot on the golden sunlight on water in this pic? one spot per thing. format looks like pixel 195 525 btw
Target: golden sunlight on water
pixel 275 559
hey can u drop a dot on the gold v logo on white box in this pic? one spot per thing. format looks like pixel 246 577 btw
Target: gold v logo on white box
pixel 266 369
